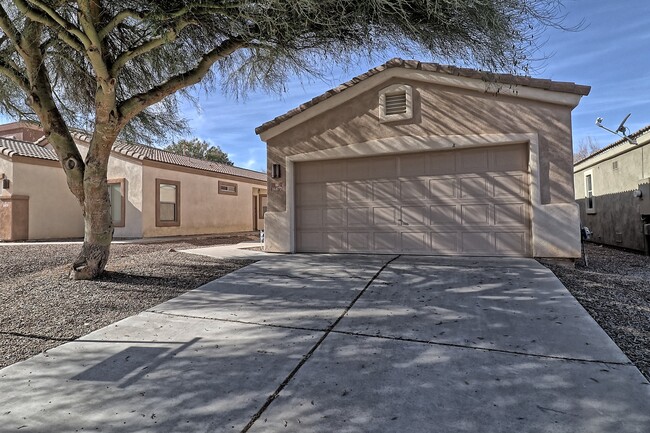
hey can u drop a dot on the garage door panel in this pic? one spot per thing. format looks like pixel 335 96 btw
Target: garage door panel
pixel 358 241
pixel 358 216
pixel 507 158
pixel 334 193
pixel 330 171
pixel 334 217
pixel 309 194
pixel 511 243
pixel 444 242
pixel 310 241
pixel 384 216
pixel 412 165
pixel 443 188
pixel 460 202
pixel 477 243
pixel 444 215
pixel 509 185
pixel 415 242
pixel 358 192
pixel 309 218
pixel 413 190
pixel 385 192
pixel 473 187
pixel 441 163
pixel 385 241
pixel 473 161
pixel 475 214
pixel 510 214
pixel 414 215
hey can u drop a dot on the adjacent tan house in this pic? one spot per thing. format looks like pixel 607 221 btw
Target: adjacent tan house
pixel 420 158
pixel 153 192
pixel 613 190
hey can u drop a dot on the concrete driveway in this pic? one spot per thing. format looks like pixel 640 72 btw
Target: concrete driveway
pixel 320 343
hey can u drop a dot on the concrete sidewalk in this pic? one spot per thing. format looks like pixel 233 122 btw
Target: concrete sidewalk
pixel 321 343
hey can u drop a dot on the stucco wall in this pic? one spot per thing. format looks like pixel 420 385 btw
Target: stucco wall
pixel 54 213
pixel 439 111
pixel 617 218
pixel 203 209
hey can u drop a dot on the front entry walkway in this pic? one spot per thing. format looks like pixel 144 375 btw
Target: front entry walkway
pixel 347 343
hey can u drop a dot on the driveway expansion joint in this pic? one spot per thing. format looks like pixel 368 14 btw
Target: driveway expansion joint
pixel 308 355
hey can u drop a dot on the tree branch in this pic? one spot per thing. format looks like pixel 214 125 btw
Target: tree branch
pixel 167 37
pixel 8 27
pixel 137 103
pixel 89 20
pixel 117 20
pixel 14 75
pixel 67 31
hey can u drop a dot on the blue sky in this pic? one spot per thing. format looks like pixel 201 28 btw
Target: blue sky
pixel 611 54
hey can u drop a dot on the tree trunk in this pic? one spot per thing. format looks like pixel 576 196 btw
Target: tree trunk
pixel 98 224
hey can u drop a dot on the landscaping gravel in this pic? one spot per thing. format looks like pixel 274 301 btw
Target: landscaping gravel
pixel 41 308
pixel 615 290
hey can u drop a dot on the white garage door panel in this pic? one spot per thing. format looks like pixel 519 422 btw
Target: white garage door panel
pixel 467 202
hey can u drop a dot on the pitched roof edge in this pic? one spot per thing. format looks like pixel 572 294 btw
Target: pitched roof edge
pixel 617 143
pixel 497 78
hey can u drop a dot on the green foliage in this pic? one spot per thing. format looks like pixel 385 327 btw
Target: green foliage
pixel 200 149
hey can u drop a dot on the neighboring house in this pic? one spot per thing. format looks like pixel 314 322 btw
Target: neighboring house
pixel 420 158
pixel 153 193
pixel 613 190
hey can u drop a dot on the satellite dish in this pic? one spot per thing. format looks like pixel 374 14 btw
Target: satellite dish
pixel 622 130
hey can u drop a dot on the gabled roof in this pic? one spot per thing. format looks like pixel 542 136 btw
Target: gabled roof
pixel 148 153
pixel 12 147
pixel 635 134
pixel 505 79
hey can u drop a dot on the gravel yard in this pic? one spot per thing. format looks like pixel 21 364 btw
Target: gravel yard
pixel 41 308
pixel 615 290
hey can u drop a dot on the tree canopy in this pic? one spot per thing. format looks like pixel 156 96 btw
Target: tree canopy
pixel 119 67
pixel 200 149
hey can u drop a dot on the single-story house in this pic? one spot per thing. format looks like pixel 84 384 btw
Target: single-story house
pixel 613 190
pixel 421 158
pixel 153 192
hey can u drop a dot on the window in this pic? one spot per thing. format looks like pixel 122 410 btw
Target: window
pixel 589 192
pixel 117 196
pixel 227 188
pixel 395 103
pixel 264 204
pixel 168 203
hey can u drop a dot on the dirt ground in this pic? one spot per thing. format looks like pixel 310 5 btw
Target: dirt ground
pixel 41 308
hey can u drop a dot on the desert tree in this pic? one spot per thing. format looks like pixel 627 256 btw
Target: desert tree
pixel 201 149
pixel 118 68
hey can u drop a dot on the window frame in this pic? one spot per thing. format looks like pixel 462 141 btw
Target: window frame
pixel 122 183
pixel 590 195
pixel 176 222
pixel 228 184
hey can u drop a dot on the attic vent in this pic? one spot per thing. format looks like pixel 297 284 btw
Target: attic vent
pixel 615 165
pixel 395 103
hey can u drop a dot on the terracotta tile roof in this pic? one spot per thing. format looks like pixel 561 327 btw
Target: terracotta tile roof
pixel 508 79
pixel 142 152
pixel 11 147
pixel 636 134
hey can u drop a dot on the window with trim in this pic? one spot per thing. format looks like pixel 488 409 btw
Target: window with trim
pixel 395 103
pixel 590 203
pixel 168 203
pixel 264 205
pixel 117 196
pixel 228 188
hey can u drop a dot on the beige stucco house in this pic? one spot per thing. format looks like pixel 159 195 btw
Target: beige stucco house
pixel 612 187
pixel 153 192
pixel 420 158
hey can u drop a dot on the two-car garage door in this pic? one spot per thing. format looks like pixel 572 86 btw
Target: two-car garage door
pixel 461 202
